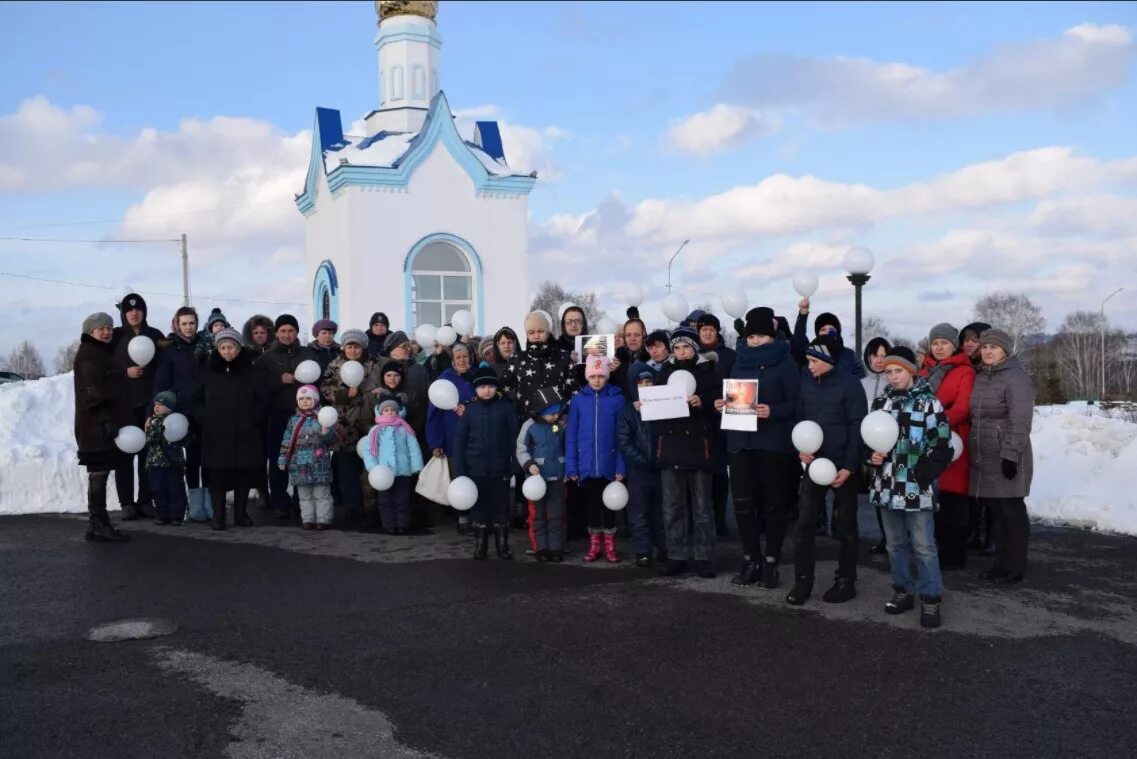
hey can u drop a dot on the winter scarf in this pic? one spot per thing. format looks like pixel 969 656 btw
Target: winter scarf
pixel 304 415
pixel 382 422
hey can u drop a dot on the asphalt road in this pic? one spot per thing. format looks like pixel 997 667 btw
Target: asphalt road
pixel 349 644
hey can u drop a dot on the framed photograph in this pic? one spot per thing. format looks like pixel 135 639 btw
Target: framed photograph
pixel 601 345
pixel 740 405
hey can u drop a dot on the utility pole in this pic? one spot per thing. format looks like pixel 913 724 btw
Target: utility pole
pixel 684 245
pixel 1115 292
pixel 185 272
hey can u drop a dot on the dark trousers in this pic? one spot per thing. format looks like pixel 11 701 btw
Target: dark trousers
pixel 1011 527
pixel 349 467
pixel 758 479
pixel 952 529
pixel 810 502
pixel 493 504
pixel 547 518
pixel 793 484
pixel 720 491
pixel 395 505
pixel 645 511
pixel 168 486
pixel 124 470
pixel 277 480
pixel 687 513
pixel 598 516
pixel 575 519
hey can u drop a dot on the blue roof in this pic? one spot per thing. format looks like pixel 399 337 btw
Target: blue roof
pixel 488 137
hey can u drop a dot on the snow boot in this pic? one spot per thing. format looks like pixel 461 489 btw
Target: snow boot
pixel 481 541
pixel 130 512
pixel 748 574
pixel 801 591
pixel 99 527
pixel 770 574
pixel 843 590
pixel 241 509
pixel 594 547
pixel 218 519
pixel 610 548
pixel 501 541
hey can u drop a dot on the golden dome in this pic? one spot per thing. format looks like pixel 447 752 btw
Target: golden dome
pixel 387 8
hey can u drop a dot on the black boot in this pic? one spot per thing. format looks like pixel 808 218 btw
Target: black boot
pixel 802 589
pixel 748 574
pixel 241 509
pixel 218 498
pixel 843 590
pixel 263 503
pixel 501 541
pixel 129 512
pixel 481 541
pixel 99 523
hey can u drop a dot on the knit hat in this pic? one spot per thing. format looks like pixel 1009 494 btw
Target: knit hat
pixel 379 318
pixel 388 402
pixel 975 328
pixel 684 335
pixel 309 391
pixel 644 373
pixel 658 336
pixel 943 331
pixel 323 324
pixel 392 366
pixel 284 319
pixel 760 321
pixel 827 348
pixel 487 344
pixel 130 303
pixel 354 337
pixel 229 334
pixel 597 365
pixel 394 340
pixel 215 316
pixel 167 398
pixel 710 320
pixel 96 320
pixel 484 375
pixel 999 338
pixel 826 319
pixel 694 316
pixel 902 357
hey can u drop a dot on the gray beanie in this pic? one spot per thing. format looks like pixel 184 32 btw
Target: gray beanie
pixel 96 320
pixel 997 337
pixel 944 331
pixel 394 340
pixel 354 336
pixel 229 334
pixel 389 403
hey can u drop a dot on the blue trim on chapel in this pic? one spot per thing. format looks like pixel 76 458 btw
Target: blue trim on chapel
pixel 327 281
pixel 475 268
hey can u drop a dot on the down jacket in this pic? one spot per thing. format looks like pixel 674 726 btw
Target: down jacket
pixel 539 366
pixel 952 381
pixel 279 360
pixel 1002 411
pixel 904 482
pixel 685 443
pixel 542 444
pixel 398 450
pixel 590 440
pixel 310 461
pixel 356 415
pixel 633 434
pixel 102 405
pixel 487 440
pixel 779 385
pixel 836 401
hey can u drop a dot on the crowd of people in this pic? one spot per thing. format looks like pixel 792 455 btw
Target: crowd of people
pixel 538 409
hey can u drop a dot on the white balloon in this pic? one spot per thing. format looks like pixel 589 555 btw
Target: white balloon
pixel 328 416
pixel 445 336
pixel 463 322
pixel 879 430
pixel 823 472
pixel 805 283
pixel 615 496
pixel 141 350
pixel 534 487
pixel 675 307
pixel 381 477
pixel 425 335
pixel 361 446
pixel 634 295
pixel 684 379
pixel 735 302
pixel 807 437
pixel 307 372
pixel 956 446
pixel 130 440
pixel 443 394
pixel 351 373
pixel 175 427
pixel 462 493
pixel 605 327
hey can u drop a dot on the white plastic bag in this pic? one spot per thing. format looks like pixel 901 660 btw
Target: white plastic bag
pixel 434 479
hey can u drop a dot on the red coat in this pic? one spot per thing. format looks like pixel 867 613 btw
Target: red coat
pixel 954 393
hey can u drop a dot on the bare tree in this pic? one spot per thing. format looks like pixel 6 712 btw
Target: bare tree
pixel 551 296
pixel 1014 313
pixel 25 360
pixel 1079 351
pixel 65 359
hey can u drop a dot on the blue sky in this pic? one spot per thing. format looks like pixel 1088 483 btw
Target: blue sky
pixel 885 96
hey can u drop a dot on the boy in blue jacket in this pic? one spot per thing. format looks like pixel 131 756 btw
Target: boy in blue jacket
pixel 836 401
pixel 483 451
pixel 591 456
pixel 645 495
pixel 541 453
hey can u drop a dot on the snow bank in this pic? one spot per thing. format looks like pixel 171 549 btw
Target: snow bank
pixel 39 468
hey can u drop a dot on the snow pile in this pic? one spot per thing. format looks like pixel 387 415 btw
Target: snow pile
pixel 1083 459
pixel 39 469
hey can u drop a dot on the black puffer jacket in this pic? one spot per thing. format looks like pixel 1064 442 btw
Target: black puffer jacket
pixel 179 367
pixel 102 404
pixel 836 401
pixel 539 366
pixel 779 384
pixel 232 408
pixel 257 320
pixel 140 390
pixel 277 360
pixel 487 440
pixel 685 443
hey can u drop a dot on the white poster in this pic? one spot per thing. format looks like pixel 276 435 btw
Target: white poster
pixel 663 402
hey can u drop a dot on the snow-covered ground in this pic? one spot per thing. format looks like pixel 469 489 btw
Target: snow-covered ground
pixel 1083 458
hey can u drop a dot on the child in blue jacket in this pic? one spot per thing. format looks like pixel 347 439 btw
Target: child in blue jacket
pixel 541 453
pixel 392 443
pixel 591 455
pixel 645 492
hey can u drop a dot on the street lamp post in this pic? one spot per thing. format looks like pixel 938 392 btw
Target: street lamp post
pixel 859 262
pixel 673 255
pixel 1101 397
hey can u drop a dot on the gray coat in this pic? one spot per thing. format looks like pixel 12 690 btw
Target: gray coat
pixel 1002 410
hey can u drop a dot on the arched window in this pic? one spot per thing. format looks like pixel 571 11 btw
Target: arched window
pixel 326 304
pixel 441 283
pixel 325 292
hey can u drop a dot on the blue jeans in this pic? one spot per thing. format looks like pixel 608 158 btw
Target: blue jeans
pixel 645 511
pixel 905 532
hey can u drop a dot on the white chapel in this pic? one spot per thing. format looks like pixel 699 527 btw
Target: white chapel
pixel 410 218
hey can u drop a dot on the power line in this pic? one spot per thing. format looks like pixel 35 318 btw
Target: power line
pixel 71 239
pixel 146 292
pixel 153 216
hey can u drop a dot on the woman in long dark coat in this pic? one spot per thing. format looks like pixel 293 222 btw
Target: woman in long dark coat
pixel 102 407
pixel 233 405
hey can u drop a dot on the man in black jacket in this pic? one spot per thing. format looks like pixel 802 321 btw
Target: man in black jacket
pixel 139 391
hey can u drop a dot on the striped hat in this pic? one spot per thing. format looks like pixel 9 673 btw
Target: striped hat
pixel 229 334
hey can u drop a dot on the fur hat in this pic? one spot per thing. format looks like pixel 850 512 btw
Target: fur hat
pixel 229 334
pixel 354 337
pixel 96 320
pixel 484 375
pixel 760 321
pixel 826 319
pixel 391 366
pixel 943 331
pixel 167 398
pixel 597 365
pixel 710 320
pixel 284 319
pixel 997 337
pixel 309 391
pixel 827 348
pixel 323 324
pixel 902 357
pixel 684 335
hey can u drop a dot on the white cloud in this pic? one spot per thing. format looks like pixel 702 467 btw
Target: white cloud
pixel 723 126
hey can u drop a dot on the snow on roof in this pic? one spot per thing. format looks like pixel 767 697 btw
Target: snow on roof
pixel 386 148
